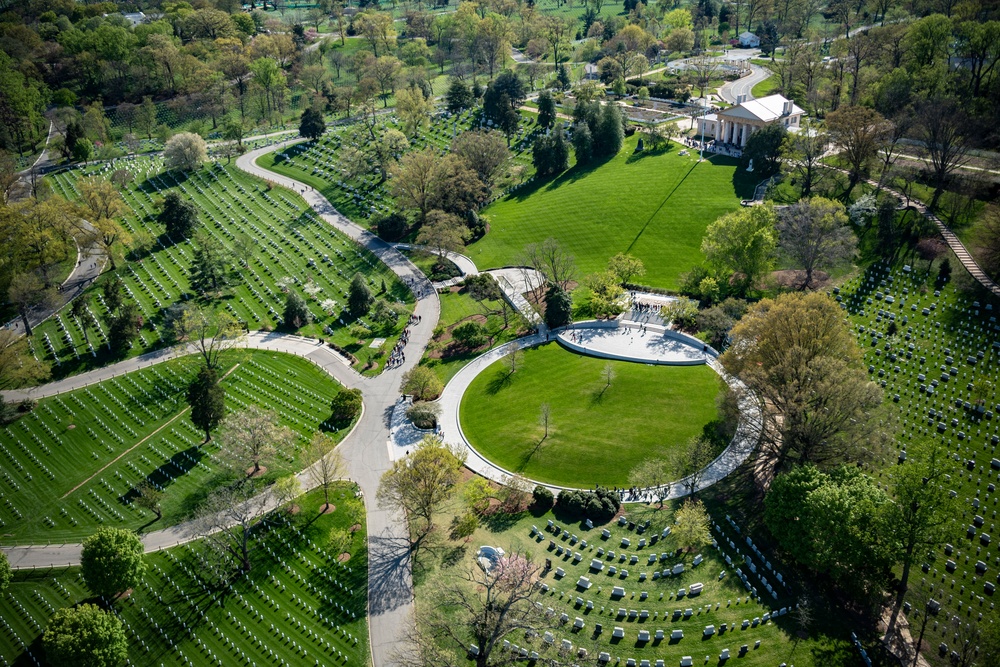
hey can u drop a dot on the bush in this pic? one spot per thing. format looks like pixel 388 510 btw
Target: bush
pixel 543 498
pixel 470 334
pixel 599 506
pixel 391 227
pixel 422 383
pixel 346 405
pixel 423 414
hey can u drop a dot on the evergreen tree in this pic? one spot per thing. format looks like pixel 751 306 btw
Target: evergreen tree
pixel 610 133
pixel 459 96
pixel 207 399
pixel 296 313
pixel 178 217
pixel 563 77
pixel 558 307
pixel 546 109
pixel 550 154
pixel 210 264
pixel 583 143
pixel 359 298
pixel 312 125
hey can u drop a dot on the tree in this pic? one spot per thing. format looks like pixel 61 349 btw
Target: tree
pixel 325 465
pixel 923 510
pixel 680 40
pixel 111 561
pixel 815 233
pixel 609 134
pixel 179 217
pixel 346 405
pixel 296 314
pixel 359 298
pixel 546 109
pixel 942 126
pixel 550 154
pixel 145 120
pixel 228 520
pixel 988 239
pixel 419 483
pixel 211 264
pixel 414 110
pixel 207 399
pixel 606 295
pixel 443 233
pixel 86 636
pixel 414 180
pixel 764 148
pixel 459 97
pixel 626 267
pixel 552 261
pixel 377 29
pixel 691 525
pixel 562 77
pixel 27 292
pixel 558 307
pixel 513 360
pixel 422 383
pixel 742 243
pixel 798 355
pixel 802 152
pixel 184 151
pixel 251 438
pixel 148 497
pixel 83 150
pixel 583 143
pixel 485 152
pixel 857 132
pixel 123 328
pixel 6 573
pixel 484 606
pixel 836 524
pixel 212 332
pixel 312 126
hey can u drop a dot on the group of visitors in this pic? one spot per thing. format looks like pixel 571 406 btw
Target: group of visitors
pixel 397 357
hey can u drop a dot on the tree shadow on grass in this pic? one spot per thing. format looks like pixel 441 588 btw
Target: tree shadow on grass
pixel 648 152
pixel 529 454
pixel 501 380
pixel 501 521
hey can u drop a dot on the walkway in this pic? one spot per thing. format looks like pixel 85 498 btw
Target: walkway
pixel 743 443
pixel 955 243
pixel 744 86
pixel 365 450
pixel 635 341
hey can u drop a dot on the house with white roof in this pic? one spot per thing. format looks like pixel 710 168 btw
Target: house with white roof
pixel 734 125
pixel 748 40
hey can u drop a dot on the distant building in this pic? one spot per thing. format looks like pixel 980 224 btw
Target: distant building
pixel 735 125
pixel 748 40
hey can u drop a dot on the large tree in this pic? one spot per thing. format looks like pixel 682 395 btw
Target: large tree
pixel 764 148
pixel 359 298
pixel 185 151
pixel 815 233
pixel 422 383
pixel 797 354
pixel 836 524
pixel 211 332
pixel 692 525
pixel 86 636
pixel 252 437
pixel 111 561
pixel 552 261
pixel 210 266
pixel 943 127
pixel 802 152
pixel 228 520
pixel 742 244
pixel 490 605
pixel 27 292
pixel 325 465
pixel 858 132
pixel 207 398
pixel 178 217
pixel 312 126
pixel 419 483
pixel 485 151
pixel 443 233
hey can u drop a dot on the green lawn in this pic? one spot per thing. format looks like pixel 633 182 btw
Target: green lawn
pixel 655 207
pixel 73 463
pixel 765 87
pixel 297 605
pixel 596 434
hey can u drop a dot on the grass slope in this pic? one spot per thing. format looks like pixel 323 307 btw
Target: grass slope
pixel 297 606
pixel 654 206
pixel 72 463
pixel 596 434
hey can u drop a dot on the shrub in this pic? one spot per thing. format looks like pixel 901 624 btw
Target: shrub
pixel 346 405
pixel 543 498
pixel 599 506
pixel 423 414
pixel 470 334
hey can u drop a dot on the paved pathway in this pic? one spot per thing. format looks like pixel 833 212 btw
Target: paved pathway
pixel 743 443
pixel 744 86
pixel 365 449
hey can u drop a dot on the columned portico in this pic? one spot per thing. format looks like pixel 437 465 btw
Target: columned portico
pixel 733 126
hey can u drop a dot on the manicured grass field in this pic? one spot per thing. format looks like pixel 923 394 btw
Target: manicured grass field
pixel 297 605
pixel 72 464
pixel 654 206
pixel 724 598
pixel 597 434
pixel 290 244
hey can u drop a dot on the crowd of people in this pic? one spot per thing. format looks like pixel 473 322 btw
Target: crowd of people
pixel 397 357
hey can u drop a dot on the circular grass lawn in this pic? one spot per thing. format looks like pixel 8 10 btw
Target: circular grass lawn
pixel 597 434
